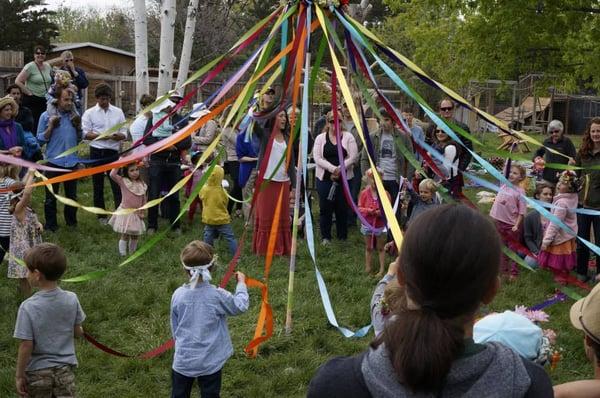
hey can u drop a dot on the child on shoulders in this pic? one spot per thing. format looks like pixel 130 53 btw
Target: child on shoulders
pixel 46 325
pixel 198 324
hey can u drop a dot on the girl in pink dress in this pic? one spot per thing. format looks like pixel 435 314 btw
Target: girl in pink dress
pixel 133 191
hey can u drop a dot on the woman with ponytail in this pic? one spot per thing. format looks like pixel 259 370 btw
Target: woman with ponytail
pixel 449 266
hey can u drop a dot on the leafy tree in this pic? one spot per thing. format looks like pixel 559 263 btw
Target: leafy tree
pixel 25 24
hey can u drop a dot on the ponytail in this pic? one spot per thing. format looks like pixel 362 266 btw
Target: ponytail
pixel 422 347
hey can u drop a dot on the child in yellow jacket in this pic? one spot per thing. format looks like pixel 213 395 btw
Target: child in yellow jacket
pixel 215 216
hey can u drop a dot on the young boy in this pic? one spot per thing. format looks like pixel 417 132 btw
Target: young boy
pixel 46 324
pixel 198 311
pixel 425 200
pixel 215 215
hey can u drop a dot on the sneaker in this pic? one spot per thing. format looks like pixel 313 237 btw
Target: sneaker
pixel 151 231
pixel 325 242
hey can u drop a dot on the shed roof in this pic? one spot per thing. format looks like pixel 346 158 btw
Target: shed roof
pixel 58 47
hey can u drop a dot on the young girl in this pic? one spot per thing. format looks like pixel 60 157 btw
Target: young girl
pixel 534 224
pixel 558 250
pixel 26 232
pixel 368 205
pixel 8 179
pixel 508 212
pixel 199 324
pixel 133 192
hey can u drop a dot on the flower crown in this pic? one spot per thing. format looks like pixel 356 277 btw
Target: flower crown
pixel 569 178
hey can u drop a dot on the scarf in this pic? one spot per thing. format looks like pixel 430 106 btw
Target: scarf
pixel 8 133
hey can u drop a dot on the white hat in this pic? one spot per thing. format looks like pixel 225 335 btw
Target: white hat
pixel 163 105
pixel 199 110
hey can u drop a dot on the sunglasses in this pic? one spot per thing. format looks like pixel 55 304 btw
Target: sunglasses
pixel 446 109
pixel 40 53
pixel 555 131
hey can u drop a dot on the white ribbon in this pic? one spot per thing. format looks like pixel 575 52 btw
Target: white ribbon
pixel 199 270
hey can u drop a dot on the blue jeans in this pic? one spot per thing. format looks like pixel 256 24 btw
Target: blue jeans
pixel 211 232
pixel 209 385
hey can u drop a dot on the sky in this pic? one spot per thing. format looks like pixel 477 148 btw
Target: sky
pixel 101 4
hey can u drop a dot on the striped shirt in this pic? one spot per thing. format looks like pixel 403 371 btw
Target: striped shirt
pixel 5 216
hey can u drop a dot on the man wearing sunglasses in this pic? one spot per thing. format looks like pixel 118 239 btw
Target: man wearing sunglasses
pixel 585 316
pixel 78 77
pixel 559 143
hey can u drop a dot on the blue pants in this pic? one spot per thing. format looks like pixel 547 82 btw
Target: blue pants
pixel 209 385
pixel 211 232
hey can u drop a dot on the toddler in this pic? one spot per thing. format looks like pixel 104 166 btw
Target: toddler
pixel 424 200
pixel 62 78
pixel 198 311
pixel 534 224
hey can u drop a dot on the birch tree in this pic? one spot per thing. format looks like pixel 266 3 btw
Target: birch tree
pixel 167 38
pixel 142 85
pixel 188 41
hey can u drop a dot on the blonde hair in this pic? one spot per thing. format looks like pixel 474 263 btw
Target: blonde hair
pixel 196 253
pixel 428 184
pixel 66 54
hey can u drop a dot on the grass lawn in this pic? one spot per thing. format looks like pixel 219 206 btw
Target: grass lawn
pixel 129 311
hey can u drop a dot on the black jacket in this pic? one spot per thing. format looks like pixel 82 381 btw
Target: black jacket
pixel 564 146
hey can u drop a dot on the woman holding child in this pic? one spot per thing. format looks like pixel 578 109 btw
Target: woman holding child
pixel 426 347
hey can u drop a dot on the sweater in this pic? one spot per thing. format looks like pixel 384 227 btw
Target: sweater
pixel 214 199
pixel 402 165
pixel 564 146
pixel 348 143
pixel 533 231
pixel 563 206
pixel 495 371
pixel 589 196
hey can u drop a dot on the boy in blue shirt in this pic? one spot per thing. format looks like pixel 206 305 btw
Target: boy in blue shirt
pixel 46 324
pixel 198 324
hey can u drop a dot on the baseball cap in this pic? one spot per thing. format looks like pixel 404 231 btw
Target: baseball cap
pixel 585 314
pixel 512 330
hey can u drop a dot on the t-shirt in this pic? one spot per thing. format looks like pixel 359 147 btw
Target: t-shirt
pixel 49 319
pixel 274 167
pixel 5 216
pixel 388 158
pixel 38 81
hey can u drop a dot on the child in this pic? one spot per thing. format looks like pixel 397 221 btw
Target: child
pixel 62 78
pixel 508 212
pixel 426 199
pixel 8 180
pixel 214 210
pixel 46 323
pixel 558 250
pixel 534 224
pixel 192 183
pixel 368 205
pixel 198 311
pixel 388 298
pixel 26 232
pixel 133 193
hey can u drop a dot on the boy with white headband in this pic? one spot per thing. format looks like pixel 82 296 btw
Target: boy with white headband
pixel 198 324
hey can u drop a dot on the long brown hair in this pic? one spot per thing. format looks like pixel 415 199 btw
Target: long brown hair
pixel 587 146
pixel 449 261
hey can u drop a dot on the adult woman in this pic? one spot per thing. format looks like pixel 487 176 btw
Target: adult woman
pixel 11 132
pixel 331 196
pixel 559 143
pixel 278 177
pixel 451 152
pixel 78 77
pixel 449 266
pixel 589 197
pixel 35 81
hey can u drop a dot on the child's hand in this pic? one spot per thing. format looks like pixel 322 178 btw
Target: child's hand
pixel 393 267
pixel 515 228
pixel 21 384
pixel 241 278
pixel 53 122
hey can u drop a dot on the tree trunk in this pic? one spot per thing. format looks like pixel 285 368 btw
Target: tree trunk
pixel 188 41
pixel 142 85
pixel 167 37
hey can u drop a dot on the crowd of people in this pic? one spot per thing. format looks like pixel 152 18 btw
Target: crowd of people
pixel 423 309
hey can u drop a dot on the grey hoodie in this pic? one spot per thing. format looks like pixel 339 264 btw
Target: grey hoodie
pixel 497 371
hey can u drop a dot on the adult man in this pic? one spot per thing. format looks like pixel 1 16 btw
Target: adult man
pixel 95 121
pixel 446 109
pixel 387 143
pixel 416 132
pixel 585 316
pixel 165 166
pixel 78 77
pixel 59 134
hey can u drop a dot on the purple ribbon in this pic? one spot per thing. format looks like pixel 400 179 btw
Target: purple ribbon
pixel 557 298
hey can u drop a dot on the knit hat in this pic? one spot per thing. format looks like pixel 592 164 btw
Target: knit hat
pixel 585 314
pixel 511 329
pixel 8 100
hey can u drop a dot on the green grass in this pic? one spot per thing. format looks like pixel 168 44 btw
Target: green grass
pixel 129 310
